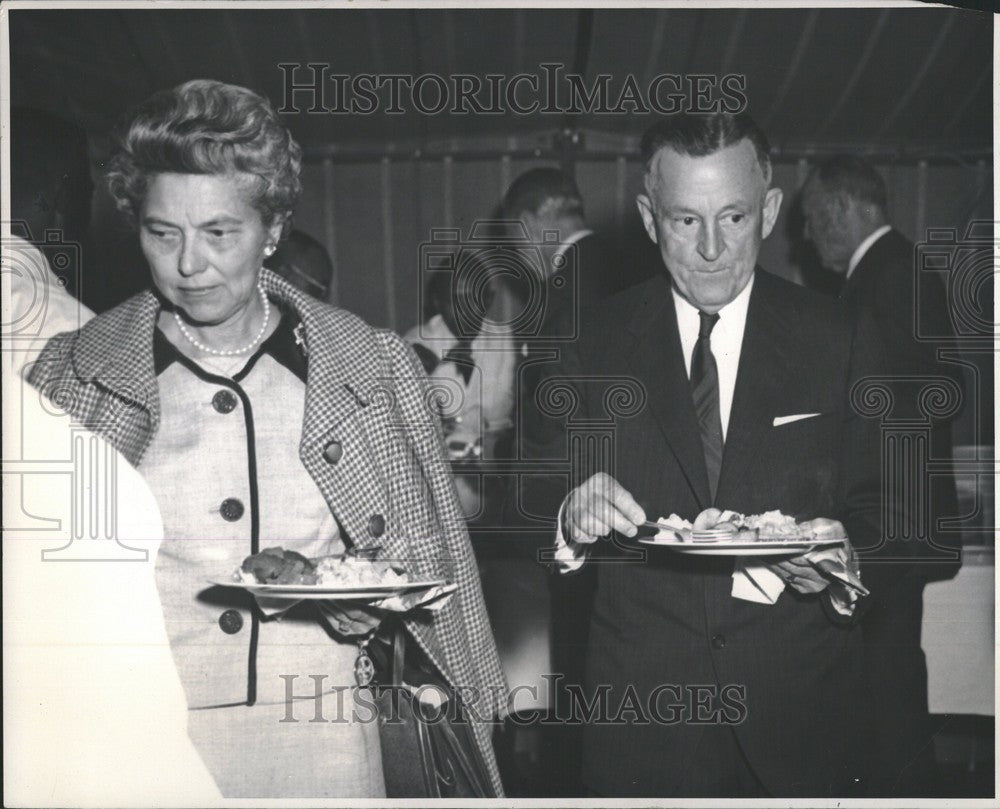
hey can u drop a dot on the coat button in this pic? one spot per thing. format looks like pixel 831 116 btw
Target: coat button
pixel 230 622
pixel 719 642
pixel 231 509
pixel 224 402
pixel 332 452
pixel 376 525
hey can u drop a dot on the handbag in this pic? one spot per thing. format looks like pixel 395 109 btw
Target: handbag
pixel 426 753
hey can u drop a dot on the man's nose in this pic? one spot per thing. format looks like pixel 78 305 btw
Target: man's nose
pixel 191 261
pixel 710 241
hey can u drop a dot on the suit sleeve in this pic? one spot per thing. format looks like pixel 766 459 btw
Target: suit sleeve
pixel 866 510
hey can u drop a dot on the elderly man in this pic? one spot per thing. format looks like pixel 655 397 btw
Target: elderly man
pixel 709 676
pixel 846 216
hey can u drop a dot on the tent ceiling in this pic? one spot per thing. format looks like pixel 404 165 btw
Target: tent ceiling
pixel 912 82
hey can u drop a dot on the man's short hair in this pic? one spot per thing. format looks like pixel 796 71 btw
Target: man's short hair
pixel 701 135
pixel 531 190
pixel 853 177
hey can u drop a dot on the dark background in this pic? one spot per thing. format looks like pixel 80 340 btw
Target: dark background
pixel 910 88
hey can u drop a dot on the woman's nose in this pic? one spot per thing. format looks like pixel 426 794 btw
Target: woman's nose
pixel 191 261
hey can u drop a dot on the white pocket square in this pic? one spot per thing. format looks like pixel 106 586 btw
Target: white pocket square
pixel 779 420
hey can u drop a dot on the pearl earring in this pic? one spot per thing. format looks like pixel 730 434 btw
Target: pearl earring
pixel 269 250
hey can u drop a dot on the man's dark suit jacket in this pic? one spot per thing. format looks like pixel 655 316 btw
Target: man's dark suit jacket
pixel 588 278
pixel 884 286
pixel 671 619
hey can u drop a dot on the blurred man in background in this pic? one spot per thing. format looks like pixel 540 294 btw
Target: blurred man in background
pixel 846 218
pixel 304 263
pixel 548 203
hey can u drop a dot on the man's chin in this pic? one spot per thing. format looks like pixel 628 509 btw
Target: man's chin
pixel 710 293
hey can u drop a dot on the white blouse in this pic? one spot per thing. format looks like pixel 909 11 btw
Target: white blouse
pixel 225 469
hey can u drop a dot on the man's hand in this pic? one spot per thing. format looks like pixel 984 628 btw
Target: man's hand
pixel 800 573
pixel 350 619
pixel 599 506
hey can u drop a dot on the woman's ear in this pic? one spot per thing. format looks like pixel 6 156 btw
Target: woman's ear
pixel 275 230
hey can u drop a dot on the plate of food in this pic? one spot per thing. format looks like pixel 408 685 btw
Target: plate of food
pixel 280 573
pixel 729 533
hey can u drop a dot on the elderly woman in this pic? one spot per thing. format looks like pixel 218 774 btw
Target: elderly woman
pixel 261 417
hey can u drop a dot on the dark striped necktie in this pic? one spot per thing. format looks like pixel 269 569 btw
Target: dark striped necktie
pixel 705 392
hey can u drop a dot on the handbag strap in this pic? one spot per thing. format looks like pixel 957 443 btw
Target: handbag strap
pixel 398 653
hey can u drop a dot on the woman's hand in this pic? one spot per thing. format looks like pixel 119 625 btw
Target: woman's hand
pixel 351 619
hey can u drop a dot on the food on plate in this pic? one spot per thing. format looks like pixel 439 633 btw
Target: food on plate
pixel 280 566
pixel 353 571
pixel 277 566
pixel 773 525
pixel 769 526
pixel 707 519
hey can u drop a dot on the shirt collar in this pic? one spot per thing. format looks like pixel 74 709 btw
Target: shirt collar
pixel 734 312
pixel 283 346
pixel 565 244
pixel 861 249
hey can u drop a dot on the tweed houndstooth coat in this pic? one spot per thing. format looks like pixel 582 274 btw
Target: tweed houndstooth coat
pixel 371 441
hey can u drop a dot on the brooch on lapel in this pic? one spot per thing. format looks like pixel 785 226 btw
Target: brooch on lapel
pixel 300 338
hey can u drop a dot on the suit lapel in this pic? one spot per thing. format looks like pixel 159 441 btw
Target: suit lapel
pixel 761 382
pixel 658 362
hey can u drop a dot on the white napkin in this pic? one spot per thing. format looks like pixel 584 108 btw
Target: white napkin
pixel 756 583
pixel 759 583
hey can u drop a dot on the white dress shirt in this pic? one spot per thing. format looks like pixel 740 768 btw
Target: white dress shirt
pixel 564 245
pixel 727 342
pixel 865 246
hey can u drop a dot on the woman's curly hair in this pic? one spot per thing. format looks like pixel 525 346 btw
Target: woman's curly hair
pixel 207 127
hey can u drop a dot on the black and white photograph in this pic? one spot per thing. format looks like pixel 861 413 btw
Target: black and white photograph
pixel 522 404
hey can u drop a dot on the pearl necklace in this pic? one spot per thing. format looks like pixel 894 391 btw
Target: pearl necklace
pixel 233 352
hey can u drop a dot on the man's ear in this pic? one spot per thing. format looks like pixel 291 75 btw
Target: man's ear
pixel 645 207
pixel 772 204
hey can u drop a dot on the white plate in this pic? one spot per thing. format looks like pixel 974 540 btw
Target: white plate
pixel 305 592
pixel 762 547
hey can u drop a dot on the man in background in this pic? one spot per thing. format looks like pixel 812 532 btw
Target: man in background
pixel 580 270
pixel 846 218
pixel 548 203
pixel 305 264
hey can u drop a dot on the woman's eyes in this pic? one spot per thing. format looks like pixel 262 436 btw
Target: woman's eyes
pixel 215 234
